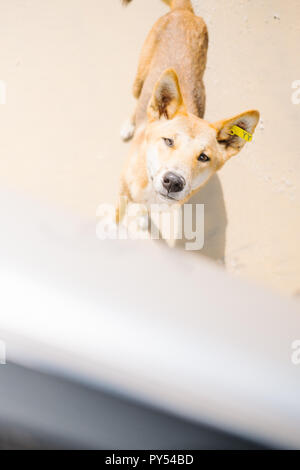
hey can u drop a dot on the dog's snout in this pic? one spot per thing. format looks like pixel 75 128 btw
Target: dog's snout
pixel 173 183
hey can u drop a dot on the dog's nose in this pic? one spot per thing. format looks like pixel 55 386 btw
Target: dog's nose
pixel 173 183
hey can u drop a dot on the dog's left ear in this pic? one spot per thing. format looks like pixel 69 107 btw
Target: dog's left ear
pixel 232 144
pixel 166 100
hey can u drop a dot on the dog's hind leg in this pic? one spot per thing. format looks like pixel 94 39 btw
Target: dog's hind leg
pixel 128 128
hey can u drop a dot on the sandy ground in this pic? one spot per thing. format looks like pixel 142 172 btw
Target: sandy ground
pixel 68 66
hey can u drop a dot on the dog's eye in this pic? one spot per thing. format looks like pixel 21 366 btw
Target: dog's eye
pixel 203 158
pixel 168 142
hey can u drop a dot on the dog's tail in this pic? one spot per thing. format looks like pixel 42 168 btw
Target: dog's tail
pixel 185 4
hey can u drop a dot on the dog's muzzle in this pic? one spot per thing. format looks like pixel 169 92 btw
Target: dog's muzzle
pixel 173 182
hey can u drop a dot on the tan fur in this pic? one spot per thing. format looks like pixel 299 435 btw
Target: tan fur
pixel 170 104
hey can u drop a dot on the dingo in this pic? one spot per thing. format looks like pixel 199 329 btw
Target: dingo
pixel 174 150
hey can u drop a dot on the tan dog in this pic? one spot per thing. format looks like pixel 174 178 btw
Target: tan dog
pixel 174 150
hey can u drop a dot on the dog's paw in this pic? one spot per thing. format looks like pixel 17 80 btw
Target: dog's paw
pixel 127 130
pixel 143 222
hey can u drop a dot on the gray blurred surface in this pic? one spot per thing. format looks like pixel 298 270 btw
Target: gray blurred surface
pixel 40 411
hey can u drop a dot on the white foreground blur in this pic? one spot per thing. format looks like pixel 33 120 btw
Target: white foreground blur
pixel 151 322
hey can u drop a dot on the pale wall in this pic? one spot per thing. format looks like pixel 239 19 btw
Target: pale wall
pixel 69 66
pixel 253 60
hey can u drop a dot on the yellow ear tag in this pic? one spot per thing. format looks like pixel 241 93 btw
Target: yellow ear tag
pixel 236 130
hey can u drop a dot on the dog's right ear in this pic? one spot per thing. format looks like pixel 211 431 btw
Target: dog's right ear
pixel 166 100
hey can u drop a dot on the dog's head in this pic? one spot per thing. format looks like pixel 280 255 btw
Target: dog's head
pixel 184 151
